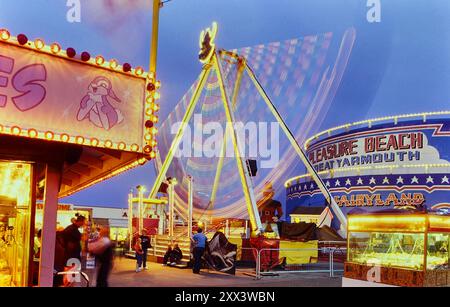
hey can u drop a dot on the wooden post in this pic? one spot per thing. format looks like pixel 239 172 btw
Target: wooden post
pixel 49 218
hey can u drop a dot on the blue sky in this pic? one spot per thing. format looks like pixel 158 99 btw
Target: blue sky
pixel 400 65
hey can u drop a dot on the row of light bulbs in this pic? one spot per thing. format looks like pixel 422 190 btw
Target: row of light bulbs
pixel 64 137
pixel 151 107
pixel 56 49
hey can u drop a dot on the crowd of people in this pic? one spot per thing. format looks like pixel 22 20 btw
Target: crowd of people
pixel 70 240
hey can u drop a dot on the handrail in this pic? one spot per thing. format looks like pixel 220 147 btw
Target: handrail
pixel 330 251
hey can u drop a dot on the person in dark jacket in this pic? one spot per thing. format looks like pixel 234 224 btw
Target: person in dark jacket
pixel 167 255
pixel 145 242
pixel 177 255
pixel 72 238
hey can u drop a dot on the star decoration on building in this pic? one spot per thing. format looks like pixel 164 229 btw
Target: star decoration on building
pixel 348 182
pixel 414 180
pixel 430 179
pixel 337 183
pixel 400 179
pixel 385 180
pixel 312 186
pixel 327 183
pixel 372 181
pixel 359 181
pixel 445 179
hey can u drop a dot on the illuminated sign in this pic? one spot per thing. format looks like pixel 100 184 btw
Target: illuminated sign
pixel 47 93
pixel 393 165
pixel 61 207
pixel 394 146
pixel 207 46
pixel 376 199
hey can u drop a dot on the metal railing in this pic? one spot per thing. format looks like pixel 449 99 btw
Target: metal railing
pixel 255 268
pixel 327 250
pixel 72 274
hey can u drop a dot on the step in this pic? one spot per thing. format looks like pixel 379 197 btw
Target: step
pixel 163 251
pixel 181 246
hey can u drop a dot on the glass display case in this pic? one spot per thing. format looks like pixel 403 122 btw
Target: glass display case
pixel 15 213
pixel 408 249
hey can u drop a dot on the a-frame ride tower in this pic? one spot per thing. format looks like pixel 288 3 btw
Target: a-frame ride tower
pixel 210 57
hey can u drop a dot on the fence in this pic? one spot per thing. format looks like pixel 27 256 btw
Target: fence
pixel 311 267
pixel 328 258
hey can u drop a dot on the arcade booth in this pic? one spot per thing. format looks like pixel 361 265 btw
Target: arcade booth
pixel 69 120
pixel 400 249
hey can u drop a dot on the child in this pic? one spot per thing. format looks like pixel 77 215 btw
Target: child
pixel 139 254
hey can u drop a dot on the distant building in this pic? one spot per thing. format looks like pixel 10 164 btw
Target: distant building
pixel 116 219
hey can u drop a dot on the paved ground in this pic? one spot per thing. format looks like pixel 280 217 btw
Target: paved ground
pixel 124 275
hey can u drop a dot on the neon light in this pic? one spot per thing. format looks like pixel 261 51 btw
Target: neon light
pixel 370 121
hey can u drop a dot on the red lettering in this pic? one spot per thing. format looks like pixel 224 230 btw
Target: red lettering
pixel 392 143
pixel 369 145
pixel 380 143
pixel 401 141
pixel 353 145
pixel 332 151
pixel 416 140
pixel 311 157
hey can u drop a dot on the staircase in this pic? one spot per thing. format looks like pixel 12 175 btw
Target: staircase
pixel 180 237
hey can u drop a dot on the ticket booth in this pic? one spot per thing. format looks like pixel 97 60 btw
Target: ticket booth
pixel 68 120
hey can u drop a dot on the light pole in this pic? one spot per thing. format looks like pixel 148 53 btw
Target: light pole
pixel 141 190
pixel 172 184
pixel 130 218
pixel 190 204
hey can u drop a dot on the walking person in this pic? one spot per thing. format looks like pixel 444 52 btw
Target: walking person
pixel 102 248
pixel 139 254
pixel 145 243
pixel 199 240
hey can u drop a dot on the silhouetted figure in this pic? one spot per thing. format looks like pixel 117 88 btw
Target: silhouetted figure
pixel 103 249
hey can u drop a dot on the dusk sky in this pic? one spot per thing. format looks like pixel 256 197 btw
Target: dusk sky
pixel 399 65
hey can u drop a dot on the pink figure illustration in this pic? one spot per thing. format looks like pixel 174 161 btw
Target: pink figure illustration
pixel 97 107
